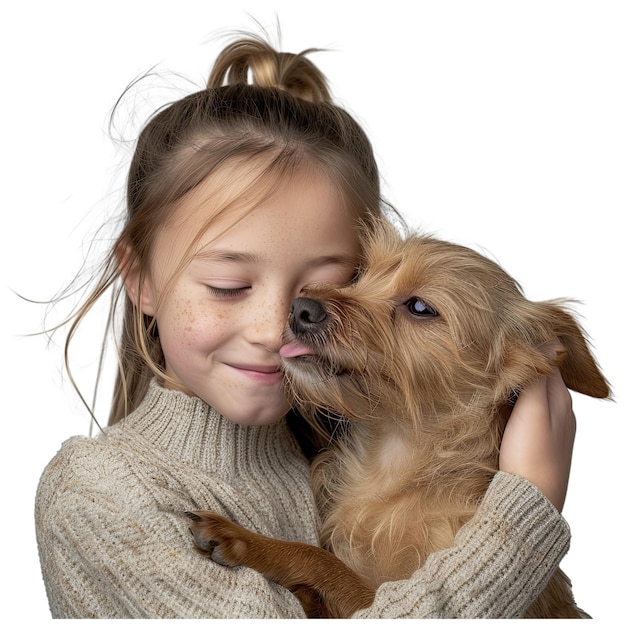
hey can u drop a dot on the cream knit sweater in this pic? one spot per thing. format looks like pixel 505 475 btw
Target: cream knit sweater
pixel 113 542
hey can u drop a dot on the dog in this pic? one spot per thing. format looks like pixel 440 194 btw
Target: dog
pixel 408 376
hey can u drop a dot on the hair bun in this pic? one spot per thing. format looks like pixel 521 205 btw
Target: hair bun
pixel 252 61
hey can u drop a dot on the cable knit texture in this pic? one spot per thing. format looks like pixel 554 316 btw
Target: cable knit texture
pixel 113 542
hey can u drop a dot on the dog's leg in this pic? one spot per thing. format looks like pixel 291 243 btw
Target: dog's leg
pixel 325 586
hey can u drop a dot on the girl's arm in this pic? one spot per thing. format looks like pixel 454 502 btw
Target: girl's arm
pixel 504 556
pixel 106 554
pixel 501 560
pixel 111 545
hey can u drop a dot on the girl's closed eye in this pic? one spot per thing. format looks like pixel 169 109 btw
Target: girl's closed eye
pixel 226 292
pixel 220 288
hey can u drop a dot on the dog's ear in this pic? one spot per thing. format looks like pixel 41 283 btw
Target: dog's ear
pixel 542 336
pixel 578 366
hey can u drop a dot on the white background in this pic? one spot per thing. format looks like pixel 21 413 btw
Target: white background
pixel 499 124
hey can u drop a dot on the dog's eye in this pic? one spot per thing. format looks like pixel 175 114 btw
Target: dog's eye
pixel 357 274
pixel 419 308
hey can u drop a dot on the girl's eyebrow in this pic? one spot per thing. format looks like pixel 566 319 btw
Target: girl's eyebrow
pixel 223 256
pixel 226 255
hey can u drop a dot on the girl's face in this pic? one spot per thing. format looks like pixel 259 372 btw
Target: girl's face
pixel 221 319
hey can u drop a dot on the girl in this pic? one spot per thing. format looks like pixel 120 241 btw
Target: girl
pixel 238 198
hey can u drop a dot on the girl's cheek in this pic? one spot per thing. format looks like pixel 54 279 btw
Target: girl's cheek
pixel 177 326
pixel 202 324
pixel 190 326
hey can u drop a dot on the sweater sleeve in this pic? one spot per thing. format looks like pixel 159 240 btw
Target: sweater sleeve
pixel 111 546
pixel 500 562
pixel 105 556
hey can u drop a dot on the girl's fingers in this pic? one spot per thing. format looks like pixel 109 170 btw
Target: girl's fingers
pixel 539 438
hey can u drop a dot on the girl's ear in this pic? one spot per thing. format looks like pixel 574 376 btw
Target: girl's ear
pixel 138 287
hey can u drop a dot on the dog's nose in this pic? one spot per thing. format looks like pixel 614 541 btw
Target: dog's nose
pixel 307 315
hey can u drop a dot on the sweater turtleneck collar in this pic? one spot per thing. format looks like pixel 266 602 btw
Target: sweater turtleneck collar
pixel 188 429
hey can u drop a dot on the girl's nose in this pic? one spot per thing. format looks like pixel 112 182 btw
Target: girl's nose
pixel 267 327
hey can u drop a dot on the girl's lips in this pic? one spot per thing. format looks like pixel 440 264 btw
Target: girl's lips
pixel 294 349
pixel 270 374
pixel 261 369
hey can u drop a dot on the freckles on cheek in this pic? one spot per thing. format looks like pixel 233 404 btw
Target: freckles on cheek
pixel 187 325
pixel 193 326
pixel 181 323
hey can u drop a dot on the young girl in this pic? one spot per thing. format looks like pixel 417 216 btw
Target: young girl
pixel 238 198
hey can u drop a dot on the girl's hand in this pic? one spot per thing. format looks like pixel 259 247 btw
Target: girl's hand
pixel 539 438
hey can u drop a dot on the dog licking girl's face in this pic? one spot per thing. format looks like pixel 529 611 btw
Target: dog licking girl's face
pixel 429 326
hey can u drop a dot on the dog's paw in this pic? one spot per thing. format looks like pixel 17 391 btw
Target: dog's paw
pixel 219 539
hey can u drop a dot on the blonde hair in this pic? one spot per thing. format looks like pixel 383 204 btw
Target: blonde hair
pixel 260 105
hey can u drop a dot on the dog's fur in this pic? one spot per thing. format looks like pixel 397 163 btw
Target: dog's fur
pixel 415 366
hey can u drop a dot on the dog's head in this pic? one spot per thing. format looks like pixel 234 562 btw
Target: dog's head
pixel 428 328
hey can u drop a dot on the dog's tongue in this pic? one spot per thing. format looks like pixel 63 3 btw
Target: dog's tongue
pixel 293 349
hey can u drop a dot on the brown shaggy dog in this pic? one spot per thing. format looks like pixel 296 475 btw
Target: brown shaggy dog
pixel 421 357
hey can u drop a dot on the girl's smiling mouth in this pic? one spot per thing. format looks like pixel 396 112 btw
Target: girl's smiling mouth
pixel 262 373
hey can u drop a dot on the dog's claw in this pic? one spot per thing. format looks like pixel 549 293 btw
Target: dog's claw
pixel 202 543
pixel 209 532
